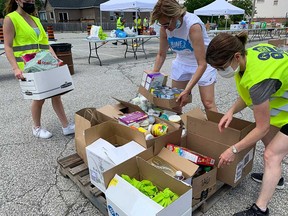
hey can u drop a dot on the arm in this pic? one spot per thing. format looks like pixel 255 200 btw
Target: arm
pixel 262 119
pixel 9 34
pixel 227 118
pixel 163 48
pixel 196 37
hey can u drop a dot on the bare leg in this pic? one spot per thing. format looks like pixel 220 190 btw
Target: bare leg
pixel 275 151
pixel 59 110
pixel 208 97
pixel 36 109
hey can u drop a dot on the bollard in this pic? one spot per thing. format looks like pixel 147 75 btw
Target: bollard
pixel 1 35
pixel 50 33
pixel 89 29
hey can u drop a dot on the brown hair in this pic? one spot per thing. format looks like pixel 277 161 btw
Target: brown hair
pixel 10 6
pixel 168 8
pixel 223 47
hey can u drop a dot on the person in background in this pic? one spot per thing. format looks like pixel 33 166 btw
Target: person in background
pixel 24 34
pixel 186 35
pixel 120 25
pixel 145 23
pixel 138 24
pixel 260 73
pixel 207 25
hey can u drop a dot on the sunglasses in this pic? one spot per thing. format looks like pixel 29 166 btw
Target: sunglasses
pixel 165 25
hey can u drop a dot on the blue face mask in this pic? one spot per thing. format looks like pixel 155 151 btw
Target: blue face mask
pixel 178 24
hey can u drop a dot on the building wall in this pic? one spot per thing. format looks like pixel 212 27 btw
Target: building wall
pixel 267 9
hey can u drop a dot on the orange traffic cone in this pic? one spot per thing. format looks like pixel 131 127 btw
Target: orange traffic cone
pixel 50 33
pixel 1 35
pixel 89 29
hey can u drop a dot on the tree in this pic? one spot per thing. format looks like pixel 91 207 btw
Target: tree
pixel 247 5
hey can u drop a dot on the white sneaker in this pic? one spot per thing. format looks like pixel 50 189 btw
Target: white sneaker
pixel 70 129
pixel 41 133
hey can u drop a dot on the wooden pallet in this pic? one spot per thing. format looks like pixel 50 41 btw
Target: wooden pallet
pixel 73 167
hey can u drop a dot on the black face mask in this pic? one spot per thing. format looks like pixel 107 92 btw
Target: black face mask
pixel 28 7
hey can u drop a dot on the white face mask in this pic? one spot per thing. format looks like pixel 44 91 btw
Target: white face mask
pixel 228 72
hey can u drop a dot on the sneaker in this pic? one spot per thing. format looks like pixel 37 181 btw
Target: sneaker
pixel 70 129
pixel 254 210
pixel 124 43
pixel 115 43
pixel 41 133
pixel 259 176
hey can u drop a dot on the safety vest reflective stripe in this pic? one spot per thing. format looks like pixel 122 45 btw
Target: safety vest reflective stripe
pixel 276 111
pixel 19 59
pixel 30 47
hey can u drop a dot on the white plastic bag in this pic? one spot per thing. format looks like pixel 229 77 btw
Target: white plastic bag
pixel 113 34
pixel 94 32
pixel 129 32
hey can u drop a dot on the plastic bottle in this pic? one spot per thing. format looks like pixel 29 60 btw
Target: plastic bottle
pixel 179 175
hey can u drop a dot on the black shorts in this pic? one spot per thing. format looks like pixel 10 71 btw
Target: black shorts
pixel 284 129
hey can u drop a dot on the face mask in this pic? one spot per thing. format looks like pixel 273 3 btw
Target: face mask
pixel 28 7
pixel 178 24
pixel 229 72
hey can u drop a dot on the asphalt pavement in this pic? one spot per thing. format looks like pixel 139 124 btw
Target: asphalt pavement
pixel 30 182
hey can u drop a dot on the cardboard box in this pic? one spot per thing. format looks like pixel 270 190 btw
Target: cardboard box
pixel 84 119
pixel 160 102
pixel 101 156
pixel 214 143
pixel 46 84
pixel 117 110
pixel 123 199
pixel 203 186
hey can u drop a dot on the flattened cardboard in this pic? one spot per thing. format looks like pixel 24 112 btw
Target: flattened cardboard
pixel 42 85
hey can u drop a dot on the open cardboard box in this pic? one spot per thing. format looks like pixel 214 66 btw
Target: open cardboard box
pixel 123 199
pixel 41 85
pixel 160 102
pixel 144 90
pixel 117 110
pixel 84 119
pixel 204 137
pixel 116 135
pixel 203 186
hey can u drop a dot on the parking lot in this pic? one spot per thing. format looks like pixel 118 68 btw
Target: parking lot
pixel 30 182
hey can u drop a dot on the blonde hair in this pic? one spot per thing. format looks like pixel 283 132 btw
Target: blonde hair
pixel 168 8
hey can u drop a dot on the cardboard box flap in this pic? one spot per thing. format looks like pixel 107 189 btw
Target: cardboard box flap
pixel 178 162
pixel 196 113
pixel 159 178
pixel 131 106
pixel 236 123
pixel 110 111
pixel 112 132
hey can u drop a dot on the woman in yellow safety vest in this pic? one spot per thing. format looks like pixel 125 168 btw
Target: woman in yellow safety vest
pixel 24 34
pixel 261 73
pixel 138 24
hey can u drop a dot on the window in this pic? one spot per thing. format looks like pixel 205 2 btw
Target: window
pixel 275 2
pixel 260 1
pixel 63 17
pixel 51 15
pixel 112 16
pixel 42 16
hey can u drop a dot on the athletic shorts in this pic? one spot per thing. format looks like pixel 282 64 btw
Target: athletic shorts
pixel 284 129
pixel 182 72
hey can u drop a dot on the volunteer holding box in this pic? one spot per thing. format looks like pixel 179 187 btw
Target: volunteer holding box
pixel 186 35
pixel 261 79
pixel 24 34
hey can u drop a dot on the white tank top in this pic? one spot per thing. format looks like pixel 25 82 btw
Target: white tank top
pixel 180 42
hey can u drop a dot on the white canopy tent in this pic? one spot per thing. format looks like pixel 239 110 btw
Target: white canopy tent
pixel 219 8
pixel 128 6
